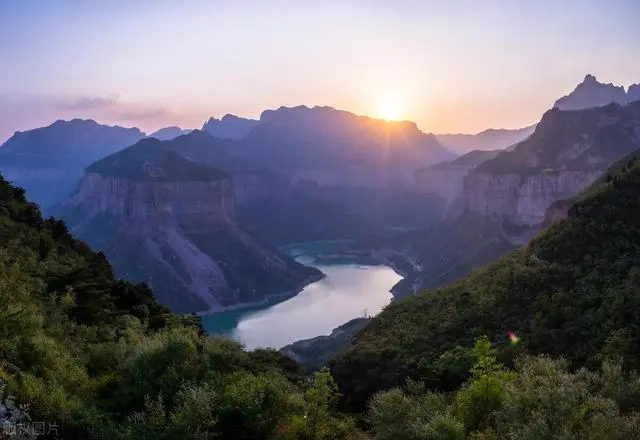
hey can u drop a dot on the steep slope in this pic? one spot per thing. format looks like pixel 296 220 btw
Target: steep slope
pixel 49 161
pixel 168 133
pixel 490 139
pixel 229 127
pixel 170 222
pixel 591 93
pixel 572 291
pixel 339 149
pixel 566 153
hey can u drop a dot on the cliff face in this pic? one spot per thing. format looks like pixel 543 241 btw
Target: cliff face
pixel 178 235
pixel 522 199
pixel 146 206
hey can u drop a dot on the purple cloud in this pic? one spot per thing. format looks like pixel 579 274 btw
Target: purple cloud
pixel 88 103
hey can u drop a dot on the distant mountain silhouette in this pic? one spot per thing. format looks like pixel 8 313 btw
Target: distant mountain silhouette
pixel 332 146
pixel 229 127
pixel 49 161
pixel 490 139
pixel 592 93
pixel 168 133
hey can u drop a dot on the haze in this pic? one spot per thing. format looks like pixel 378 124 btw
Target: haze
pixel 454 66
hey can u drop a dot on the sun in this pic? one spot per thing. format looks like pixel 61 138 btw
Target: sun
pixel 389 110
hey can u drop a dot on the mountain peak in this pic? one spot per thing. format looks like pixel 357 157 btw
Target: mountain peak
pixel 592 93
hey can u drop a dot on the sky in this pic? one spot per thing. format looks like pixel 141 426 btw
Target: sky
pixel 450 66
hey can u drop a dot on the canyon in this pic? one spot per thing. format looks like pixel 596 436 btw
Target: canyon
pixel 170 222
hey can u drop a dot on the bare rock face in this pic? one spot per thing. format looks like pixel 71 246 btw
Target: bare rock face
pixel 173 226
pixel 523 199
pixel 148 206
pixel 568 151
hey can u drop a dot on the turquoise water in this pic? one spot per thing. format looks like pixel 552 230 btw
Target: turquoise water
pixel 350 289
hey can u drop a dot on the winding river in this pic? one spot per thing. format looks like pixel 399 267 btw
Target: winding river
pixel 350 289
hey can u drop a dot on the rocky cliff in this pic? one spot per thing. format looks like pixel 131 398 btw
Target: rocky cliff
pixel 523 199
pixel 568 151
pixel 167 221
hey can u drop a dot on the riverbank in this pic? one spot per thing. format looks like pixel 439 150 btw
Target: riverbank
pixel 275 298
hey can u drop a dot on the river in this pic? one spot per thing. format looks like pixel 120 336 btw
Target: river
pixel 350 289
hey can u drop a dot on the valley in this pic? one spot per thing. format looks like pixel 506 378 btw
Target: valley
pixel 351 287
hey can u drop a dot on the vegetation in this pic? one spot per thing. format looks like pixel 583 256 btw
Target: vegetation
pixel 98 358
pixel 541 400
pixel 572 292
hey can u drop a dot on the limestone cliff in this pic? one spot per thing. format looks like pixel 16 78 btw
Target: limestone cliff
pixel 567 152
pixel 523 199
pixel 167 221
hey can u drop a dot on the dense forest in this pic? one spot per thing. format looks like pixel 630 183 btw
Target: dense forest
pixel 539 345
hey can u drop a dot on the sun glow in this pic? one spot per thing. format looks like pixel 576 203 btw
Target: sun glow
pixel 389 110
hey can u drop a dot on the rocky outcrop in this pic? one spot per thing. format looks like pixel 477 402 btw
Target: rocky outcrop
pixel 169 222
pixel 146 206
pixel 568 151
pixel 522 199
pixel 591 93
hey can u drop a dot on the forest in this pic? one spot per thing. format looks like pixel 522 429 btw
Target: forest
pixel 541 344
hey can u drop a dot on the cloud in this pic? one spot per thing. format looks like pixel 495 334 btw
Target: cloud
pixel 89 103
pixel 141 114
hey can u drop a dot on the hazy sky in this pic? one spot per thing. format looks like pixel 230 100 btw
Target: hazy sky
pixel 451 66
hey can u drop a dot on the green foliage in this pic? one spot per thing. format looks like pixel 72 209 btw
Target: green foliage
pixel 541 399
pixel 573 291
pixel 102 359
pixel 478 400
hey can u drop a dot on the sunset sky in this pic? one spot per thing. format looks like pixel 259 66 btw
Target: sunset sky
pixel 451 66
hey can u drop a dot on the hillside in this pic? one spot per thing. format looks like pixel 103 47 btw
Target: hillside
pixel 95 357
pixel 572 292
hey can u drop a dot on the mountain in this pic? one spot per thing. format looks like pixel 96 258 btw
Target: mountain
pixel 591 93
pixel 95 357
pixel 49 161
pixel 340 149
pixel 445 179
pixel 490 139
pixel 229 127
pixel 506 200
pixel 571 292
pixel 170 222
pixel 566 153
pixel 168 133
